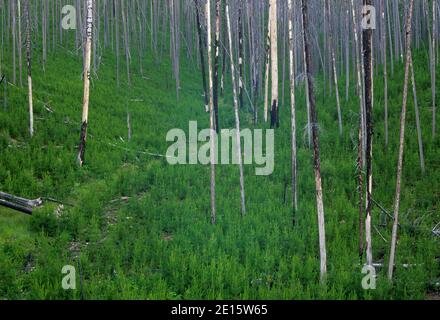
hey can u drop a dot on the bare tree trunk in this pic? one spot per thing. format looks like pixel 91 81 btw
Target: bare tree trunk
pixel 368 67
pixel 402 141
pixel 433 67
pixel 293 110
pixel 360 157
pixel 237 117
pixel 86 76
pixel 211 111
pixel 240 54
pixel 28 59
pixel 14 34
pixel 385 71
pixel 202 56
pixel 20 64
pixel 419 129
pixel 315 133
pixel 216 61
pixel 266 74
pixel 335 73
pixel 274 120
pixel 127 44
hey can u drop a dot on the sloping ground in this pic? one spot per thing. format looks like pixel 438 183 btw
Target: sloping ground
pixel 140 227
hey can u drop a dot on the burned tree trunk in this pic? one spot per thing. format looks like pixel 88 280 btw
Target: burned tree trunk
pixel 315 138
pixel 216 61
pixel 28 59
pixel 211 111
pixel 292 110
pixel 237 117
pixel 417 114
pixel 202 55
pixel 274 121
pixel 368 72
pixel 401 141
pixel 86 76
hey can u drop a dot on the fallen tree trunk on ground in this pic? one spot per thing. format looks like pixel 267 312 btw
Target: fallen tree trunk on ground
pixel 24 205
pixel 15 207
pixel 21 201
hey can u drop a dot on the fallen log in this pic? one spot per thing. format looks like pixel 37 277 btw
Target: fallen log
pixel 25 205
pixel 15 207
pixel 21 201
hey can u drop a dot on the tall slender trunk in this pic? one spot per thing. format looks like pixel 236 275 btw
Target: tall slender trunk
pixel 240 54
pixel 274 119
pixel 211 111
pixel 266 74
pixel 20 64
pixel 385 71
pixel 216 61
pixel 360 157
pixel 367 40
pixel 335 73
pixel 127 44
pixel 202 55
pixel 237 117
pixel 419 129
pixel 292 109
pixel 86 76
pixel 315 134
pixel 401 141
pixel 433 67
pixel 28 59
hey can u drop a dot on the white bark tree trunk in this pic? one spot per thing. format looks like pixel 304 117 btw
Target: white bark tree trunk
pixel 402 142
pixel 86 76
pixel 237 117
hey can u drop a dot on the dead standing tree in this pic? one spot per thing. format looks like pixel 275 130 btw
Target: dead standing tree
pixel 367 46
pixel 202 55
pixel 211 111
pixel 315 138
pixel 292 109
pixel 237 117
pixel 28 60
pixel 401 141
pixel 86 76
pixel 274 120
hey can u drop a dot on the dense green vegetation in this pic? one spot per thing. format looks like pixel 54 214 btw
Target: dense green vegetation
pixel 140 228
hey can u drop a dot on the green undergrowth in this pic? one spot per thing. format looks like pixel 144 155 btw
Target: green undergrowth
pixel 140 228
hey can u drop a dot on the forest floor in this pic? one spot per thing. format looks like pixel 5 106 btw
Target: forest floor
pixel 140 228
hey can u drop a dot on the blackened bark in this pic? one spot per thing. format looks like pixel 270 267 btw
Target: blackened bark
pixel 82 144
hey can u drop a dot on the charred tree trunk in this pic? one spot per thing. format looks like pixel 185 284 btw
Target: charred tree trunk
pixel 315 135
pixel 237 117
pixel 28 59
pixel 202 55
pixel 86 76
pixel 368 72
pixel 292 110
pixel 211 111
pixel 401 141
pixel 216 61
pixel 274 120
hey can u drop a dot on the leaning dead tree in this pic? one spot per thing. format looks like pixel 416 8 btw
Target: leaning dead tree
pixel 237 117
pixel 315 138
pixel 86 76
pixel 401 141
